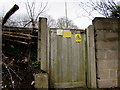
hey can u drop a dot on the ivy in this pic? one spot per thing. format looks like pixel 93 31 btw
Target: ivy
pixel 36 64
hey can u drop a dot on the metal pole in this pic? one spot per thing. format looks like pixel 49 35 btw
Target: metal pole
pixel 66 13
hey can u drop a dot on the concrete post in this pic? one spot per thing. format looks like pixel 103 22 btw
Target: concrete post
pixel 118 53
pixel 42 43
pixel 41 79
pixel 0 55
pixel 91 57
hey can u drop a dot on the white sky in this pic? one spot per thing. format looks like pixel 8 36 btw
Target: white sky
pixel 55 8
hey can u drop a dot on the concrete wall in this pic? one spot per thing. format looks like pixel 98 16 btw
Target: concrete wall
pixel 118 54
pixel 107 52
pixel 41 81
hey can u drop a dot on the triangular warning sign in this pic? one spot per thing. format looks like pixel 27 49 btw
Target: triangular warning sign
pixel 78 37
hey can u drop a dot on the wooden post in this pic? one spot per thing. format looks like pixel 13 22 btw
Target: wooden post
pixel 9 13
pixel 42 43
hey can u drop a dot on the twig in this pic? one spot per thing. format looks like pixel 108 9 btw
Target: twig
pixel 10 75
pixel 15 74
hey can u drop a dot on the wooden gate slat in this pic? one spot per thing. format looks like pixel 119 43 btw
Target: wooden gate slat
pixel 67 61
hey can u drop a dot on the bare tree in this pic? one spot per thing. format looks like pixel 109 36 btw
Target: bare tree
pixel 51 23
pixel 11 22
pixel 34 12
pixel 16 21
pixel 103 7
pixel 61 23
pixel 22 20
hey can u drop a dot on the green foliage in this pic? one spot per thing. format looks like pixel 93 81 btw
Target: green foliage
pixel 33 55
pixel 106 8
pixel 115 12
pixel 36 64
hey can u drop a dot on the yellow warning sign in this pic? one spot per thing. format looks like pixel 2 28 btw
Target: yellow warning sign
pixel 78 37
pixel 67 34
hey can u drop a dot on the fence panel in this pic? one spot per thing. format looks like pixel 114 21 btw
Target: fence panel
pixel 67 60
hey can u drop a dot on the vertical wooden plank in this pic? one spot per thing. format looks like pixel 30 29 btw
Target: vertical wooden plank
pixel 59 60
pixel 84 56
pixel 42 41
pixel 75 60
pixel 69 59
pixel 64 59
pixel 74 73
pixel 63 62
pixel 80 61
pixel 68 77
pixel 55 69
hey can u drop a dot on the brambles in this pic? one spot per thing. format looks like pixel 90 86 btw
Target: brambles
pixel 17 73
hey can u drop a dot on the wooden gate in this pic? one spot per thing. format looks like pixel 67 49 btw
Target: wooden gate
pixel 67 58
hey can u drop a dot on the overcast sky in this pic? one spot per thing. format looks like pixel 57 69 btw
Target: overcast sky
pixel 55 8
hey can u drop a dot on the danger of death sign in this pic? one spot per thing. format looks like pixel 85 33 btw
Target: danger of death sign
pixel 78 37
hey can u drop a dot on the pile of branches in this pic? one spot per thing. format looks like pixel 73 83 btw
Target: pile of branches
pixel 17 74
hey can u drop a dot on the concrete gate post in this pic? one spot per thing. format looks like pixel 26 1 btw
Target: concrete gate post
pixel 0 55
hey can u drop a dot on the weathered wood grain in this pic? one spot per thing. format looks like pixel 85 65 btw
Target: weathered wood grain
pixel 67 66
